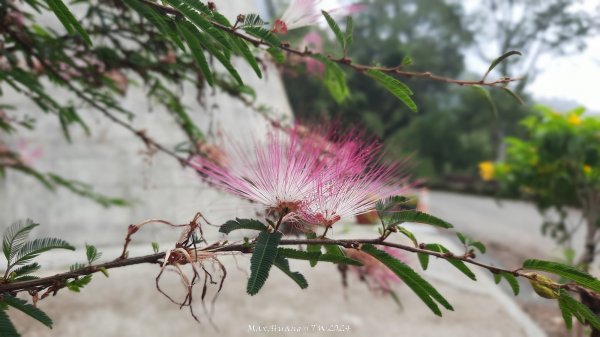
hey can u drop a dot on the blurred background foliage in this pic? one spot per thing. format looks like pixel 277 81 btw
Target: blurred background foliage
pixel 455 128
pixel 556 167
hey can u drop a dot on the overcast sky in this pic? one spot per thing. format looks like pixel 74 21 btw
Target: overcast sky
pixel 568 78
pixel 575 77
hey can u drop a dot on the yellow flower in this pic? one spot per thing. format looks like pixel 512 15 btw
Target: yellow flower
pixel 574 119
pixel 486 170
pixel 587 169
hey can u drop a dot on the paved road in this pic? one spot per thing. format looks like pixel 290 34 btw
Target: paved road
pixel 514 225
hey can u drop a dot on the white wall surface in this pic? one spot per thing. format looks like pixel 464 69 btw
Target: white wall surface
pixel 113 161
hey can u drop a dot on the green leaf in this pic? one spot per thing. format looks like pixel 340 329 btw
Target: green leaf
pixel 92 253
pixel 34 248
pixel 68 20
pixel 513 95
pixel 423 289
pixel 298 254
pixel 198 5
pixel 469 242
pixel 236 224
pixel 580 277
pixel 578 310
pixel 68 116
pixel 104 271
pixel 461 266
pixel 336 30
pixel 488 98
pixel 251 20
pixel 408 234
pixel 220 18
pixel 155 247
pixel 283 264
pixel 407 61
pixel 197 53
pixel 77 266
pixel 244 50
pixel 28 309
pixel 77 284
pixel 26 269
pixel 419 217
pixel 263 34
pixel 339 259
pixel 276 54
pixel 423 260
pixel 221 55
pixel 480 246
pixel 262 259
pixel 499 60
pixel 312 248
pixel 397 88
pixel 25 278
pixel 15 236
pixel 566 313
pixel 332 255
pixel 512 282
pixel 162 23
pixel 7 329
pixel 86 191
pixel 389 204
pixel 334 79
pixel 349 31
pixel 334 250
pixel 201 22
pixel 497 277
pixel 201 7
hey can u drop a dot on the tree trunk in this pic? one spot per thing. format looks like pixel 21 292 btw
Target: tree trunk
pixel 591 214
pixel 498 142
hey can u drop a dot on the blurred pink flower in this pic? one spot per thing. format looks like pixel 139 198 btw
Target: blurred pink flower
pixel 378 277
pixel 119 80
pixel 302 13
pixel 27 154
pixel 314 43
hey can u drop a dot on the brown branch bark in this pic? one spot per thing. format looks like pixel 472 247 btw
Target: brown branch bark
pixel 46 282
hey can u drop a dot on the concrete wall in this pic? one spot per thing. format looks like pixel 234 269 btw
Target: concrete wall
pixel 113 161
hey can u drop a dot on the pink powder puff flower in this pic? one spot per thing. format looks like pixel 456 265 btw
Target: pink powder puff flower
pixel 378 277
pixel 313 178
pixel 341 192
pixel 302 13
pixel 352 180
pixel 276 173
pixel 349 151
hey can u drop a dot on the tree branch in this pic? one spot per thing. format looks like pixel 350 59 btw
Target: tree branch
pixel 58 279
pixel 397 70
